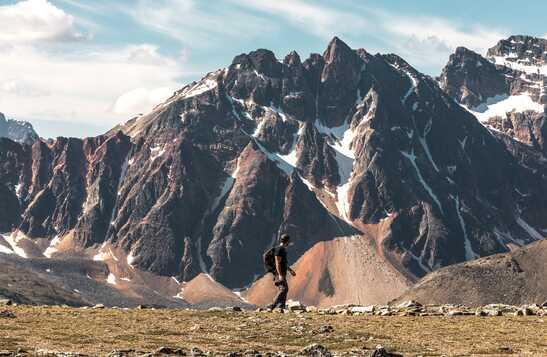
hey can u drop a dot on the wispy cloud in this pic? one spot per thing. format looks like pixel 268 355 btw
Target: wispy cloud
pixel 198 23
pixel 429 40
pixel 317 19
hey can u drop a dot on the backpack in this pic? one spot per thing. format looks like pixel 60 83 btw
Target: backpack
pixel 269 261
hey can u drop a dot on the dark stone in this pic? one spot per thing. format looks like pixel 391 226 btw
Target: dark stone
pixel 316 350
pixel 7 314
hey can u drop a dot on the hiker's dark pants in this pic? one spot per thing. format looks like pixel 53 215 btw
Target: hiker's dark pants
pixel 281 298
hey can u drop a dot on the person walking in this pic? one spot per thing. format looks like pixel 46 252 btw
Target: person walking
pixel 280 273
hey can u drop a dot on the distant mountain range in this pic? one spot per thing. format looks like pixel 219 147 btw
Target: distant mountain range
pixel 19 131
pixel 381 175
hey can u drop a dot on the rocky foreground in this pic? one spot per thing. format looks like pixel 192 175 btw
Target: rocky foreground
pixel 406 329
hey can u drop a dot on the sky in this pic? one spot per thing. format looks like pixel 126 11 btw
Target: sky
pixel 79 67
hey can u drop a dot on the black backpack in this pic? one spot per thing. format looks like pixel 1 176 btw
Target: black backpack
pixel 269 261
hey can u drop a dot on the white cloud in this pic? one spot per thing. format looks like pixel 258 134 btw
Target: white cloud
pixel 83 85
pixel 36 20
pixel 140 100
pixel 46 75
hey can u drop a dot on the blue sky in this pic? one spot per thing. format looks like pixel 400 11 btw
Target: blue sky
pixel 88 65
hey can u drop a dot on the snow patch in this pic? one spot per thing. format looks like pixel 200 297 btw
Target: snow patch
pixel 52 247
pixel 292 157
pixel 18 189
pixel 343 136
pixel 413 86
pixel 13 240
pixel 130 259
pixel 101 256
pixel 523 65
pixel 238 294
pixel 277 158
pixel 156 152
pixel 529 229
pixel 502 104
pixel 412 158
pixel 425 146
pixel 111 279
pixel 6 250
pixel 180 294
pixel 199 88
pixel 469 253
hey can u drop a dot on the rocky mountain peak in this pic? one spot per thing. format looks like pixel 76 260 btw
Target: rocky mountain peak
pixel 527 50
pixel 470 78
pixel 292 59
pixel 261 60
pixel 337 50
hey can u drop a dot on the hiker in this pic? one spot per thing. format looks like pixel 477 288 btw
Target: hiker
pixel 279 266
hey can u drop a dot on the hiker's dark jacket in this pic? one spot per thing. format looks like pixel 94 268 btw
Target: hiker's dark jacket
pixel 281 252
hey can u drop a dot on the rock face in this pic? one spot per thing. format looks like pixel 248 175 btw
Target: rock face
pixel 514 278
pixel 19 131
pixel 341 144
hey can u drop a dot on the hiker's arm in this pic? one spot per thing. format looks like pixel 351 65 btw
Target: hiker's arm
pixel 278 267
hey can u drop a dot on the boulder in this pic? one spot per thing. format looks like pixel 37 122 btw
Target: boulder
pixel 409 304
pixel 380 351
pixel 197 352
pixel 170 351
pixel 316 350
pixel 234 308
pixel 122 353
pixel 215 309
pixel 363 309
pixel 296 306
pixel 7 314
pixel 326 329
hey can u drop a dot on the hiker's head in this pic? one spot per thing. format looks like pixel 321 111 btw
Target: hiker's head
pixel 285 239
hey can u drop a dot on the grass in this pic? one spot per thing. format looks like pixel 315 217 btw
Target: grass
pixel 98 332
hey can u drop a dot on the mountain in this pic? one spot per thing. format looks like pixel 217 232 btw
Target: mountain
pixel 19 131
pixel 343 144
pixel 515 278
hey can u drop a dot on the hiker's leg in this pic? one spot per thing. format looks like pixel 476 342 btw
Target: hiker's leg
pixel 273 305
pixel 281 296
pixel 283 292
